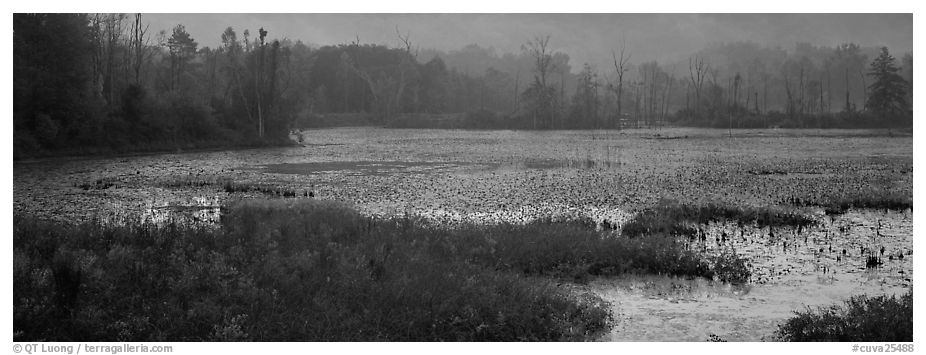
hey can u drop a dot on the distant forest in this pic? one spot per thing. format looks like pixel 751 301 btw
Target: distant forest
pixel 88 83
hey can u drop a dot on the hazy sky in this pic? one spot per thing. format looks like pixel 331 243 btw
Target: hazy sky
pixel 585 37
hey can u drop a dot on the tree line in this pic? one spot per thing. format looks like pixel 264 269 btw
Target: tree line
pixel 107 82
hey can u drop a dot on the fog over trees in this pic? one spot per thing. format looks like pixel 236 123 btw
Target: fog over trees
pixel 88 82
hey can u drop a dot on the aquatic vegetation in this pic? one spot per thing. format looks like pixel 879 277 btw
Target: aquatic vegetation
pixel 192 181
pixel 765 194
pixel 573 250
pixel 266 189
pixel 508 176
pixel 859 319
pixel 292 270
pixel 98 184
pixel 871 199
pixel 670 217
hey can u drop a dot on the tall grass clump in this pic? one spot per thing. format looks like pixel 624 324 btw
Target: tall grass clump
pixel 669 223
pixel 861 318
pixel 870 198
pixel 271 190
pixel 574 250
pixel 670 217
pixel 283 270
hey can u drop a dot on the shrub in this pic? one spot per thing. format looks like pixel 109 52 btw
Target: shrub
pixel 861 318
pixel 730 267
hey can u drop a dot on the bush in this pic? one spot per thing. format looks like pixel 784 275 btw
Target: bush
pixel 730 267
pixel 861 319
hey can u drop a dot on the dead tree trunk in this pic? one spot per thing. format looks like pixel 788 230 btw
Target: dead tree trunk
pixel 620 67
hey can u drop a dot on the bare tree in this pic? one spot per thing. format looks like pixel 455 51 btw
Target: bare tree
pixel 140 42
pixel 562 94
pixel 687 96
pixel 861 73
pixel 517 92
pixel 801 94
pixel 790 103
pixel 113 29
pixel 379 86
pixel 756 102
pixel 696 72
pixel 748 99
pixel 829 89
pixel 96 57
pixel 620 68
pixel 538 48
pixel 666 95
pixel 821 96
pixel 848 106
pixel 406 64
pixel 736 84
pixel 653 98
pixel 765 77
pixel 233 50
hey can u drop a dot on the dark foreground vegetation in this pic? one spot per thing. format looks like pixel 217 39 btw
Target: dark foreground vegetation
pixel 861 318
pixel 301 269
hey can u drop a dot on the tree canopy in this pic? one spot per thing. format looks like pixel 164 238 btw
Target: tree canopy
pixel 888 91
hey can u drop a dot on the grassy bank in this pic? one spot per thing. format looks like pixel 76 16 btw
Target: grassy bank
pixel 315 270
pixel 281 270
pixel 860 318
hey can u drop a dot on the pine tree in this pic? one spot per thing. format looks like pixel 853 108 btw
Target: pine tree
pixel 888 92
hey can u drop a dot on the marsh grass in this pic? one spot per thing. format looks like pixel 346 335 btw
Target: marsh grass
pixel 891 201
pixel 230 186
pixel 284 270
pixel 574 250
pixel 98 184
pixel 305 269
pixel 888 200
pixel 673 218
pixel 266 189
pixel 192 181
pixel 860 318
